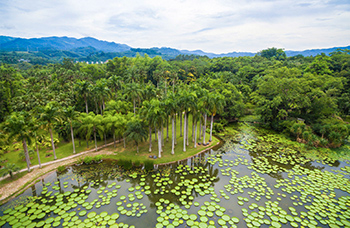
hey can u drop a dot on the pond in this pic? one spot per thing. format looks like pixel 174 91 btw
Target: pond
pixel 253 180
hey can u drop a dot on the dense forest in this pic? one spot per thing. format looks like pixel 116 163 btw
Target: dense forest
pixel 307 98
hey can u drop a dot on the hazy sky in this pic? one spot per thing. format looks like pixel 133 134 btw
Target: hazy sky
pixel 218 26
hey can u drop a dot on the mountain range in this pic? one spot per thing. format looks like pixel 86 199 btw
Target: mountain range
pixel 91 49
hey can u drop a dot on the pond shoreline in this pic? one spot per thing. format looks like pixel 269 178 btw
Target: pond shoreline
pixel 13 189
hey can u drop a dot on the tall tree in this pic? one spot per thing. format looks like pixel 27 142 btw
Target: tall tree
pixel 134 92
pixel 187 98
pixel 18 126
pixel 171 107
pixel 136 131
pixel 50 114
pixel 70 115
pixel 216 104
pixel 91 124
pixel 82 89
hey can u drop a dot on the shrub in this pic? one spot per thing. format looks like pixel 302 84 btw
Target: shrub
pixel 125 163
pixel 137 163
pixel 149 166
pixel 88 160
pixel 97 158
pixel 61 168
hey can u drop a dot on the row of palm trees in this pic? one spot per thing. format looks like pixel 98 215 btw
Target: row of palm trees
pixel 156 113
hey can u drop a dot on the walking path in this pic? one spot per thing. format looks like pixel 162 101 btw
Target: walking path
pixel 13 187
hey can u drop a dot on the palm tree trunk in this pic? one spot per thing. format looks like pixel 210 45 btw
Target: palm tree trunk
pixel 37 151
pixel 150 139
pixel 184 149
pixel 211 127
pixel 103 104
pixel 195 136
pixel 124 142
pixel 204 126
pixel 26 153
pixel 113 139
pixel 72 134
pixel 134 107
pixel 53 145
pixel 137 148
pixel 96 106
pixel 173 136
pixel 167 128
pixel 193 128
pixel 159 144
pixel 180 117
pixel 187 131
pixel 105 136
pixel 95 141
pixel 200 129
pixel 86 104
pixel 162 137
pixel 175 128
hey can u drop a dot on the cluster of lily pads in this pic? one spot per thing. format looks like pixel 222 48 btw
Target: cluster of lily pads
pixel 210 215
pixel 268 182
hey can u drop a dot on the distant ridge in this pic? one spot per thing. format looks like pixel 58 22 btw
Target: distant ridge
pixel 89 49
pixel 58 43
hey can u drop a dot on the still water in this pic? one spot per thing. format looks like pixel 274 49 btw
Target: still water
pixel 252 180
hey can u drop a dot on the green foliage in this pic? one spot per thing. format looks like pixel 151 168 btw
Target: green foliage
pixel 61 168
pixel 218 127
pixel 275 53
pixel 125 163
pixel 149 165
pixel 136 131
pixel 88 160
pixel 97 158
pixel 10 169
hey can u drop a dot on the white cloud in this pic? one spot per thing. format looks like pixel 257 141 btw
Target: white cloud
pixel 213 26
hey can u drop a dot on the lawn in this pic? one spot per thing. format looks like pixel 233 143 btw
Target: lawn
pixel 64 149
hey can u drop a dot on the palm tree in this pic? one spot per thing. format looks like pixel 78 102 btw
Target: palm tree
pixel 35 128
pixel 102 92
pixel 136 131
pixel 18 126
pixel 147 116
pixel 82 88
pixel 115 82
pixel 187 98
pixel 69 114
pixel 91 123
pixel 158 116
pixel 49 115
pixel 134 92
pixel 111 123
pixel 10 168
pixel 216 104
pixel 171 107
pixel 204 103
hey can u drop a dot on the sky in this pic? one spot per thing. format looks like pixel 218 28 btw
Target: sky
pixel 217 26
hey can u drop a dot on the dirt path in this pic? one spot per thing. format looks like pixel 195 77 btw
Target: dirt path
pixel 10 189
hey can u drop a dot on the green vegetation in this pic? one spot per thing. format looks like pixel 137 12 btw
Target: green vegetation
pixel 52 110
pixel 257 178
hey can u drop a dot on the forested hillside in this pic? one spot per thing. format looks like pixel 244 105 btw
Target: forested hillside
pixel 307 98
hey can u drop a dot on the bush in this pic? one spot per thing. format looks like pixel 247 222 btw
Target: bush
pixel 137 163
pixel 88 160
pixel 61 169
pixel 125 163
pixel 97 158
pixel 218 127
pixel 149 166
